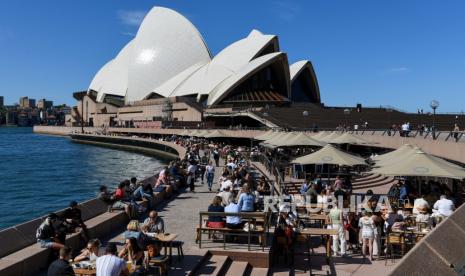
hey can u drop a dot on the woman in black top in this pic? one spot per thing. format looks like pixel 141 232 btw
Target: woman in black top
pixel 216 221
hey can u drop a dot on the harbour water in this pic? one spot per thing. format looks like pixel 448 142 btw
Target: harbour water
pixel 41 173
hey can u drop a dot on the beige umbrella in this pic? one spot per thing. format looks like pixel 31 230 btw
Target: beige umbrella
pixel 348 138
pixel 320 135
pixel 266 135
pixel 273 136
pixel 328 138
pixel 216 134
pixel 330 155
pixel 185 133
pixel 394 154
pixel 419 163
pixel 299 139
pixel 195 133
pixel 279 139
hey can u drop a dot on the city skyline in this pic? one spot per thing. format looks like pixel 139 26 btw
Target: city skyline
pixel 396 53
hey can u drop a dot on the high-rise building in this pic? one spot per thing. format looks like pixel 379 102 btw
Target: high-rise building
pixel 44 104
pixel 32 103
pixel 2 103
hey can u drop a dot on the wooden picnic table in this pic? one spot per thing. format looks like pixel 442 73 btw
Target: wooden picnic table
pixel 309 232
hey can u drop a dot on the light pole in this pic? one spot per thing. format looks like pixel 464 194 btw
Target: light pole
pixel 346 114
pixel 434 105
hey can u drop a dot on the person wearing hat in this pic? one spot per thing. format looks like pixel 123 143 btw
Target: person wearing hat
pixel 72 219
pixel 110 264
pixel 46 233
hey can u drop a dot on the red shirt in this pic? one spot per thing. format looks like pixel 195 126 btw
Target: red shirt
pixel 119 193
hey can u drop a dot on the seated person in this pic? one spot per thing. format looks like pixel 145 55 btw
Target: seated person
pixel 133 231
pixel 133 184
pixel 163 182
pixel 132 252
pixel 233 222
pixel 73 219
pixel 263 188
pixel 225 195
pixel 246 200
pixel 144 192
pixel 312 194
pixel 444 207
pixel 399 225
pixel 46 234
pixel 90 253
pixel 226 183
pixel 115 200
pixel 215 221
pixel 419 205
pixel 154 224
pixel 61 266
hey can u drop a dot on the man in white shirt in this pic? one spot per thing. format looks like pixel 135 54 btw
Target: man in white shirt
pixel 110 264
pixel 444 207
pixel 233 222
pixel 226 183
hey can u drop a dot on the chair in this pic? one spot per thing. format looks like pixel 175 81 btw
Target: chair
pixel 178 245
pixel 395 239
pixel 161 263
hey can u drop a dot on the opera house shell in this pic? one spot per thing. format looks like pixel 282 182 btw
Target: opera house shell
pixel 169 58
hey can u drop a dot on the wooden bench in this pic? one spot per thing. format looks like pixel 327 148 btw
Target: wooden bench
pixel 250 217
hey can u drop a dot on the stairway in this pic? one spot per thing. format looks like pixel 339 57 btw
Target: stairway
pixel 220 265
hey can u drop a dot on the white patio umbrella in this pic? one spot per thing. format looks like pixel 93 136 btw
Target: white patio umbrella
pixel 330 155
pixel 394 154
pixel 216 134
pixel 299 139
pixel 348 138
pixel 419 163
pixel 330 137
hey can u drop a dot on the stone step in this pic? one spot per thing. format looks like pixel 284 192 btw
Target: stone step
pixel 237 268
pixel 214 265
pixel 259 271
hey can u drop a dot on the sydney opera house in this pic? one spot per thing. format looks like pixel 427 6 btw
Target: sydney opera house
pixel 169 59
pixel 167 76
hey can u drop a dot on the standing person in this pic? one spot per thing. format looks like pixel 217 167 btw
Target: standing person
pixel 110 264
pixel 336 222
pixel 209 174
pixel 456 132
pixel 61 267
pixel 367 226
pixel 305 186
pixel 191 176
pixel 444 207
pixel 216 157
pixel 353 229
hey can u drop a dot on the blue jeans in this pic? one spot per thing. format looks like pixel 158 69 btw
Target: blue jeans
pixel 139 194
pixel 210 177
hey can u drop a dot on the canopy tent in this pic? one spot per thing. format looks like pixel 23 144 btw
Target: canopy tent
pixel 419 163
pixel 299 139
pixel 279 139
pixel 328 138
pixel 320 135
pixel 185 133
pixel 394 154
pixel 348 138
pixel 274 136
pixel 401 155
pixel 330 155
pixel 195 133
pixel 216 134
pixel 266 135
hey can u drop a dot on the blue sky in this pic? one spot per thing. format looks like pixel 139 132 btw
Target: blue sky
pixel 402 53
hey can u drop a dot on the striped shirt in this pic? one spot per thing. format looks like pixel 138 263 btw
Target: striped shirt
pixel 110 265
